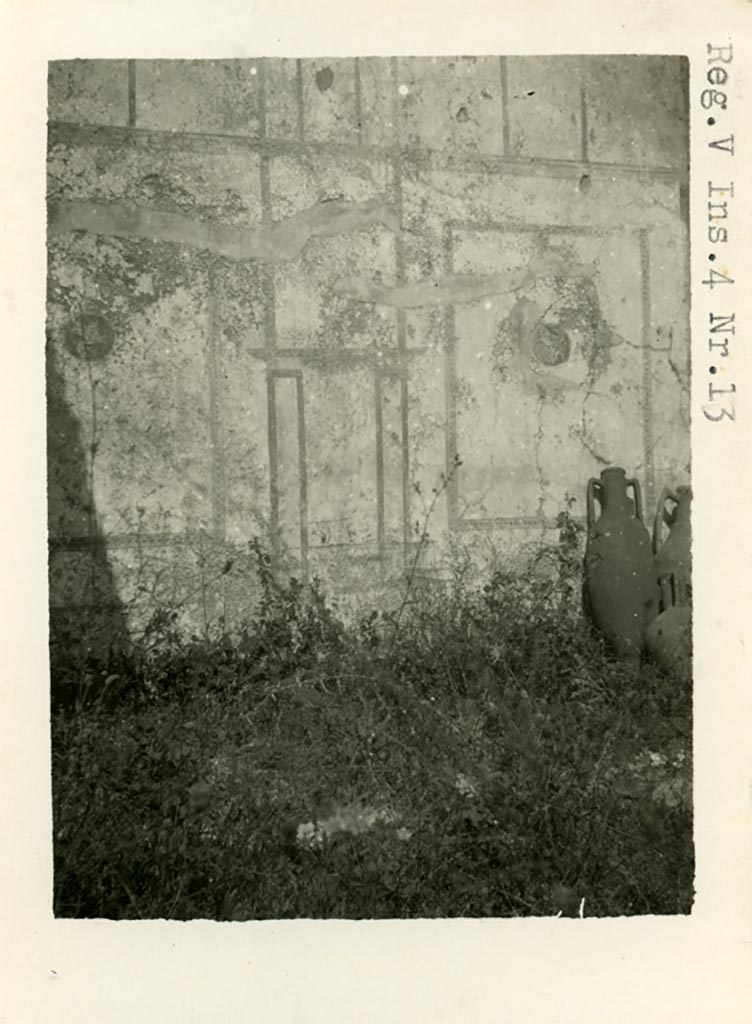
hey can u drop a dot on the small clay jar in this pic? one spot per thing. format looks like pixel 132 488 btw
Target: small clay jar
pixel 621 588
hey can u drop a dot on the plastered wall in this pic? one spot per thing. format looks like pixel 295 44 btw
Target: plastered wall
pixel 285 296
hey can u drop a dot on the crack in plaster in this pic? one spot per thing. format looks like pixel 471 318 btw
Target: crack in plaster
pixel 679 372
pixel 281 241
pixel 582 434
pixel 477 504
pixel 537 443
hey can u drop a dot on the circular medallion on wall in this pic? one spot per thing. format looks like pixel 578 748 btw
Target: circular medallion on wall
pixel 90 337
pixel 550 344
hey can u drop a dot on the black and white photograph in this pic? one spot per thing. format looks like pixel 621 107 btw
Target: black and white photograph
pixel 369 487
pixel 375 619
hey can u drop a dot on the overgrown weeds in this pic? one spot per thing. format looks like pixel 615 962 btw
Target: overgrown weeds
pixel 472 753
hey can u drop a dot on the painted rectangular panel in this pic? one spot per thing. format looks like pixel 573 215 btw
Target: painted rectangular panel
pixel 452 104
pixel 88 91
pixel 328 100
pixel 161 458
pixel 245 443
pixel 341 457
pixel 220 96
pixel 637 110
pixel 544 105
pixel 289 481
pixel 547 387
pixel 246 455
pixel 393 456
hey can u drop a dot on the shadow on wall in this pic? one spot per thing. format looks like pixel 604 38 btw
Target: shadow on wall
pixel 88 631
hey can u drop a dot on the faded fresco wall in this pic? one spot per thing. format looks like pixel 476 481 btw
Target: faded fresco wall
pixel 285 295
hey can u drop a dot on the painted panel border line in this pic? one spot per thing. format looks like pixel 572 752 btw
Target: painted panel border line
pixel 429 159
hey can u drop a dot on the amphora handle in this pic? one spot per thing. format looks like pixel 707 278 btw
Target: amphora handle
pixel 634 483
pixel 590 496
pixel 667 587
pixel 667 494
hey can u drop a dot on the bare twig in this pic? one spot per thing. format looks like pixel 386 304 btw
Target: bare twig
pixel 437 492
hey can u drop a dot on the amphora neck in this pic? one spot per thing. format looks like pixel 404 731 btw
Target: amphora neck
pixel 614 496
pixel 683 509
